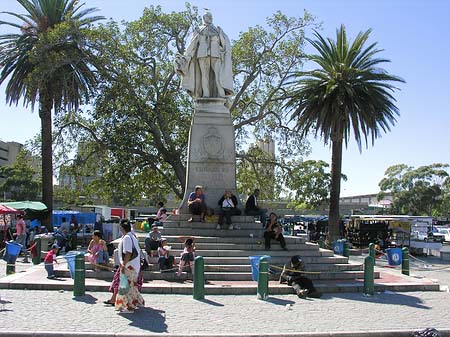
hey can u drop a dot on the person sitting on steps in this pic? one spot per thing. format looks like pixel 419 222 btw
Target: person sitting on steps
pixel 273 231
pixel 187 255
pixel 302 285
pixel 165 260
pixel 152 242
pixel 196 204
pixel 160 216
pixel 228 208
pixel 252 207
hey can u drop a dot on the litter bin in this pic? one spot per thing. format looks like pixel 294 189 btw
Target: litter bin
pixel 70 258
pixel 338 247
pixel 12 251
pixel 394 256
pixel 254 260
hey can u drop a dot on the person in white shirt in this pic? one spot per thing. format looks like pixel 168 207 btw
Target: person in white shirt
pixel 228 207
pixel 130 266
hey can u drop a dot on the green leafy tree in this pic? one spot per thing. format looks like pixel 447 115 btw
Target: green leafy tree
pixel 310 181
pixel 19 180
pixel 421 191
pixel 256 169
pixel 348 93
pixel 141 117
pixel 48 62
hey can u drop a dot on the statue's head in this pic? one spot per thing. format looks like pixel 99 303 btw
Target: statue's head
pixel 207 17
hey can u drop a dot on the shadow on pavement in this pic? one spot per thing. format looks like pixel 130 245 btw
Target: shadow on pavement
pixel 216 304
pixel 148 319
pixel 279 301
pixel 88 299
pixel 387 297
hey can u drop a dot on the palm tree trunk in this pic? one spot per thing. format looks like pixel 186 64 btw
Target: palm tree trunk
pixel 335 190
pixel 45 113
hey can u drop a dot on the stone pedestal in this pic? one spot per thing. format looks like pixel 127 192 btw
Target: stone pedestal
pixel 211 152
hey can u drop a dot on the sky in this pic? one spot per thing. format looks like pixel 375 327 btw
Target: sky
pixel 414 35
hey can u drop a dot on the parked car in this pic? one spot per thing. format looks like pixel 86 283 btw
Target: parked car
pixel 432 235
pixel 435 235
pixel 446 232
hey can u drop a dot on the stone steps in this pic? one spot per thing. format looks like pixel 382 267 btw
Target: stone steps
pixel 211 225
pixel 200 239
pixel 36 280
pixel 247 247
pixel 185 217
pixel 247 268
pixel 214 232
pixel 247 253
pixel 226 256
pixel 220 275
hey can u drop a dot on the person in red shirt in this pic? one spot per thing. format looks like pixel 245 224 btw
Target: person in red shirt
pixel 49 259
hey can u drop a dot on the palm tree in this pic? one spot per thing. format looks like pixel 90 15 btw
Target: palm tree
pixel 347 93
pixel 48 62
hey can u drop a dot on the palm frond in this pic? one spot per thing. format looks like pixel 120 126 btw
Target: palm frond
pixel 348 95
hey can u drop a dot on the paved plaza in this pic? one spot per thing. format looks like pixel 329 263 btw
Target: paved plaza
pixel 33 311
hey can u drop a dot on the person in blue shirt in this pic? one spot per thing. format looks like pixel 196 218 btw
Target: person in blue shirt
pixel 196 203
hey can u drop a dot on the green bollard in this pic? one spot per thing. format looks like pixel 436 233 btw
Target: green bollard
pixel 369 287
pixel 10 263
pixel 405 261
pixel 346 249
pixel 321 243
pixel 372 250
pixel 79 286
pixel 199 278
pixel 10 268
pixel 37 258
pixel 263 279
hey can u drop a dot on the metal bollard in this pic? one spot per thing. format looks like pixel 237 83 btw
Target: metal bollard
pixel 369 287
pixel 10 267
pixel 263 279
pixel 37 258
pixel 372 250
pixel 321 243
pixel 405 261
pixel 199 278
pixel 346 249
pixel 79 286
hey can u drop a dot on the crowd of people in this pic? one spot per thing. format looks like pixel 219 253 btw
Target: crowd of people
pixel 128 278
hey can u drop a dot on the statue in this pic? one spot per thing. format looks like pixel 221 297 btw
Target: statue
pixel 205 66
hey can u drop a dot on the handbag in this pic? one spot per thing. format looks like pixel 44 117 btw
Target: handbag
pixel 124 286
pixel 134 252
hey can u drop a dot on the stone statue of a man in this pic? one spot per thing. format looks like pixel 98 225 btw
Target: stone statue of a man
pixel 205 66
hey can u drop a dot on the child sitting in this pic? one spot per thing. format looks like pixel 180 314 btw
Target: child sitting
pixel 165 260
pixel 152 242
pixel 49 259
pixel 163 216
pixel 187 256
